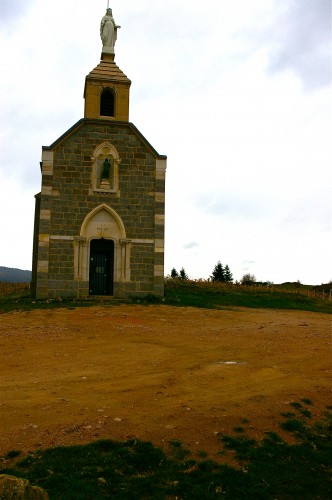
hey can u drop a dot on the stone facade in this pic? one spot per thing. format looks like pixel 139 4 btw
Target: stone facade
pixel 77 205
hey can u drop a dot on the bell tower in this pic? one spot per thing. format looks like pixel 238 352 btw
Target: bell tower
pixel 106 91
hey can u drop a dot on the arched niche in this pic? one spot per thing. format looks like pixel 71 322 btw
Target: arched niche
pixel 105 168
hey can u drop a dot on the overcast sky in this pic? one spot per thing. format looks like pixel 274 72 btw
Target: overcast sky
pixel 236 93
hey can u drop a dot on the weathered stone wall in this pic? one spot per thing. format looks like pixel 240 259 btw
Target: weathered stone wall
pixel 68 196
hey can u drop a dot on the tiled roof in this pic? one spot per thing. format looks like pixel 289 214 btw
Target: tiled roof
pixel 108 70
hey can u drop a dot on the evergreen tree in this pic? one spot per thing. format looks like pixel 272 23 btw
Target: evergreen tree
pixel 174 273
pixel 218 273
pixel 183 274
pixel 228 274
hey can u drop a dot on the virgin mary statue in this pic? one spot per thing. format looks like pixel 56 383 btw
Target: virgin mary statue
pixel 108 31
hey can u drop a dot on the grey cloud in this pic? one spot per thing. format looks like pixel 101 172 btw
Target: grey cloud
pixel 314 212
pixel 231 205
pixel 301 41
pixel 246 265
pixel 190 245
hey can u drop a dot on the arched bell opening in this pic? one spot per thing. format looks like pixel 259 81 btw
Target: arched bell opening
pixel 107 103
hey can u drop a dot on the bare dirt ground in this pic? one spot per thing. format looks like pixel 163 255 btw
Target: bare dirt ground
pixel 156 373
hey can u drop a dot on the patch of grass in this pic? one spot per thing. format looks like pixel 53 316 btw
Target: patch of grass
pixel 177 451
pixel 242 445
pixel 288 414
pixel 185 293
pixel 306 412
pixel 14 289
pixel 13 454
pixel 271 468
pixel 26 304
pixel 293 425
pixel 296 405
pixel 175 443
pixel 22 301
pixel 182 453
pixel 221 295
pixel 307 401
pixel 294 471
pixel 299 407
pixel 150 298
pixel 238 429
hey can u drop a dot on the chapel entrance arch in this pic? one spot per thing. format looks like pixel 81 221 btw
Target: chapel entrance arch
pixel 102 252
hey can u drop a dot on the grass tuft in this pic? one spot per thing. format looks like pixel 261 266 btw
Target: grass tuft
pixel 307 401
pixel 306 413
pixel 296 405
pixel 13 454
pixel 288 414
pixel 238 429
pixel 293 425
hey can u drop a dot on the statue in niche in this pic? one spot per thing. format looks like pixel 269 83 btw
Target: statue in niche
pixel 108 32
pixel 105 173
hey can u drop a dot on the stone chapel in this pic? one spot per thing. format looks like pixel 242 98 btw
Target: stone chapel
pixel 99 218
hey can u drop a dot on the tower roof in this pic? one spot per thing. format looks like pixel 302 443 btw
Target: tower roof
pixel 107 71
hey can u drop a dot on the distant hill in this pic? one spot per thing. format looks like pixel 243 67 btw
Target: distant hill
pixel 12 275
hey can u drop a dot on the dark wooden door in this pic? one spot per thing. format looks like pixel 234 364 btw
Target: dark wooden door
pixel 101 267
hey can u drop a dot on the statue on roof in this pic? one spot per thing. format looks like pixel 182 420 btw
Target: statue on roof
pixel 108 32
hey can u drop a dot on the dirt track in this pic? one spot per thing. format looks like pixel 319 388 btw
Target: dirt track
pixel 156 373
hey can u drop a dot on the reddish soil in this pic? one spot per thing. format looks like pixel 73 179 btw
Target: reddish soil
pixel 157 373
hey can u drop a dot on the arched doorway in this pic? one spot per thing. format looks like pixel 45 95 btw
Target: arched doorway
pixel 102 233
pixel 101 274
